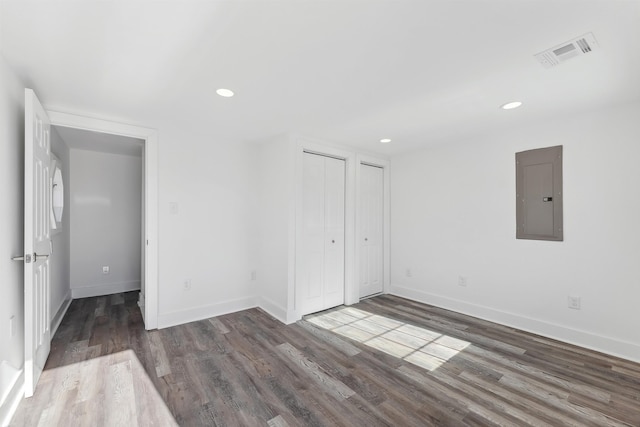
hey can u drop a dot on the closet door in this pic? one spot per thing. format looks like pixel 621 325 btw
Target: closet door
pixel 334 232
pixel 371 233
pixel 320 275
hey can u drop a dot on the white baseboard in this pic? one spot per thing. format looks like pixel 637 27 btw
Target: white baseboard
pixel 57 319
pixel 611 346
pixel 273 309
pixel 174 318
pixel 104 289
pixel 292 317
pixel 13 398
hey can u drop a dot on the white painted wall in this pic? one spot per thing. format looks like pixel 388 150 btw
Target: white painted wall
pixel 453 213
pixel 11 241
pixel 59 261
pixel 105 214
pixel 211 239
pixel 275 216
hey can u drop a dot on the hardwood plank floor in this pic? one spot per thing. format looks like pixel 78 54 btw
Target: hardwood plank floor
pixel 386 361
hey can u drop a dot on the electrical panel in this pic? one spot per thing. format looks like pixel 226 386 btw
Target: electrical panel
pixel 539 194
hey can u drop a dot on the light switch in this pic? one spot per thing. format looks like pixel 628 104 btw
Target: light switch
pixel 173 208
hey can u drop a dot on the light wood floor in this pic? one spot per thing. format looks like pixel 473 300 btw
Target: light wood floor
pixel 385 361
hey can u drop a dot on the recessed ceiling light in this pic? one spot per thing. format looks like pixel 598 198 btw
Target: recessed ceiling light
pixel 385 140
pixel 511 105
pixel 225 92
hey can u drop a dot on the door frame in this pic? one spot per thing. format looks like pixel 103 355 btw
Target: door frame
pixel 386 258
pixel 299 146
pixel 150 138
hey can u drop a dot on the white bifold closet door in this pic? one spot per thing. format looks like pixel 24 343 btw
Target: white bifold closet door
pixel 371 233
pixel 320 272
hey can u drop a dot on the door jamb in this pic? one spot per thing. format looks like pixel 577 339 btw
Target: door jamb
pixel 150 138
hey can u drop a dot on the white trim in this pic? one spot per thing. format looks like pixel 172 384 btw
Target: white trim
pixel 141 304
pixel 62 310
pixel 10 404
pixel 174 318
pixel 386 261
pixel 626 350
pixel 150 137
pixel 299 146
pixel 275 310
pixel 104 289
pixel 291 313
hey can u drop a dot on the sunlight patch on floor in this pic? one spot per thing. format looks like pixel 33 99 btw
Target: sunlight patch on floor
pixel 104 390
pixel 420 346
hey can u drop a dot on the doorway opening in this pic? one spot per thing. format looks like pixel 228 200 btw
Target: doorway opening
pixel 110 137
pixel 100 241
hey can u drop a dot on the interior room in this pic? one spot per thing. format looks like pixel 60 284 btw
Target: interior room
pixel 320 213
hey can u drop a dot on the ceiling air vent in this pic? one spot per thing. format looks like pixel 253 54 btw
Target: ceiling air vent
pixel 576 47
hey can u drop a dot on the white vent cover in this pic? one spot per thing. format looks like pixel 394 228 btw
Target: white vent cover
pixel 576 47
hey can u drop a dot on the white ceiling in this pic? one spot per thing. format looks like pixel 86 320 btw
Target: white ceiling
pixel 350 71
pixel 103 142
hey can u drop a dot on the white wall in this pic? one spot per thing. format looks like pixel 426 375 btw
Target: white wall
pixel 11 241
pixel 275 214
pixel 59 261
pixel 211 239
pixel 453 213
pixel 105 213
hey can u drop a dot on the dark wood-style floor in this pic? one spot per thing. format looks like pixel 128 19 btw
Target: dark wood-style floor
pixel 247 369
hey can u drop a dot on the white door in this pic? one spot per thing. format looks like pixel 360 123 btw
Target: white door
pixel 37 240
pixel 320 272
pixel 371 233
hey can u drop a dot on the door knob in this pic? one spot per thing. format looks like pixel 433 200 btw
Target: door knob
pixel 333 241
pixel 30 257
pixel 26 258
pixel 365 239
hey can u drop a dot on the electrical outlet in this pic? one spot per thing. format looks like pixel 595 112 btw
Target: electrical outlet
pixel 574 302
pixel 186 285
pixel 409 273
pixel 254 274
pixel 105 269
pixel 462 281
